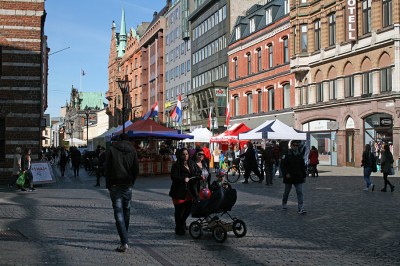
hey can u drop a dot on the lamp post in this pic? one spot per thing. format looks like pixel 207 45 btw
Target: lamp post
pixel 72 132
pixel 211 101
pixel 87 113
pixel 123 85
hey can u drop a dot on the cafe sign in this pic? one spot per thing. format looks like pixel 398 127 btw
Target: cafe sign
pixel 220 92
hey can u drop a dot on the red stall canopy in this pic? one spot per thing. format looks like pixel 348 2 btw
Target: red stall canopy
pixel 231 135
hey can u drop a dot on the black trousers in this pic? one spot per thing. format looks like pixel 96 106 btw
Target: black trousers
pixel 182 212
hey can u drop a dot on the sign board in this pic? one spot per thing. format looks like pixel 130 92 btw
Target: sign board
pixel 385 122
pixel 351 18
pixel 220 92
pixel 42 173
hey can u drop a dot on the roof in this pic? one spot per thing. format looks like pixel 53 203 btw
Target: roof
pixel 231 135
pixel 91 100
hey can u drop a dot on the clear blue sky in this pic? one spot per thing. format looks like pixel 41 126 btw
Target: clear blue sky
pixel 85 27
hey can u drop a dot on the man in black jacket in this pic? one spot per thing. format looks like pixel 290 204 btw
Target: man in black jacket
pixel 294 173
pixel 121 171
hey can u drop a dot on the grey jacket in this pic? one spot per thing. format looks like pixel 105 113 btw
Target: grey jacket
pixel 121 165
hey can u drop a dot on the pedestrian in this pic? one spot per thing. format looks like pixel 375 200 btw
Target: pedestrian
pixel 17 168
pixel 250 163
pixel 269 161
pixel 294 173
pixel 181 172
pixel 63 161
pixel 386 166
pixel 368 162
pixel 201 166
pixel 26 165
pixel 313 161
pixel 75 160
pixel 230 155
pixel 100 165
pixel 121 170
pixel 216 155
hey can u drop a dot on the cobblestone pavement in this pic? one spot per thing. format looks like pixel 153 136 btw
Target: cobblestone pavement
pixel 71 223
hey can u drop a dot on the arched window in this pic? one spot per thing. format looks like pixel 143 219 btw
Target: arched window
pixel 259 100
pixel 348 80
pixel 248 63
pixel 271 99
pixel 259 65
pixel 286 50
pixel 270 55
pixel 249 103
pixel 286 95
pixel 236 105
pixel 235 67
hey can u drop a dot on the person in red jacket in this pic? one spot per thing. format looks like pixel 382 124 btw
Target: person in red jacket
pixel 313 161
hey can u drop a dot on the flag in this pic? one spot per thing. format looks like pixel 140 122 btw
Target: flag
pixel 153 111
pixel 209 118
pixel 173 114
pixel 178 110
pixel 228 115
pixel 83 72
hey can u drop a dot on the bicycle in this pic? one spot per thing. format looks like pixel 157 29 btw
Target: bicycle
pixel 235 171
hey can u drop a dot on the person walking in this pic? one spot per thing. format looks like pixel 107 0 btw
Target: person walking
pixel 26 165
pixel 250 163
pixel 368 162
pixel 181 172
pixel 63 161
pixel 216 155
pixel 269 161
pixel 313 161
pixel 100 165
pixel 122 168
pixel 230 155
pixel 17 168
pixel 294 174
pixel 386 165
pixel 76 158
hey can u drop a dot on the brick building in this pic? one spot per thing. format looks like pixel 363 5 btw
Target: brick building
pixel 261 86
pixel 23 79
pixel 345 58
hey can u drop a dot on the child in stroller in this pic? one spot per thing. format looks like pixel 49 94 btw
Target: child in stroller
pixel 209 205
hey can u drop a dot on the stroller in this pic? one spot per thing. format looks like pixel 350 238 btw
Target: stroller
pixel 209 208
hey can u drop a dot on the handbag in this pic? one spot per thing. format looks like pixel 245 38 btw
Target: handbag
pixel 391 171
pixel 21 179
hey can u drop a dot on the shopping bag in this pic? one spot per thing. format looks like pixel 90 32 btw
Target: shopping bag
pixel 21 179
pixel 391 171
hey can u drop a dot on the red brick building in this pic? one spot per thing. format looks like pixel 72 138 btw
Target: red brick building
pixel 261 86
pixel 23 79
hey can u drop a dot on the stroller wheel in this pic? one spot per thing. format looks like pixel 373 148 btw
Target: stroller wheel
pixel 195 230
pixel 219 233
pixel 239 228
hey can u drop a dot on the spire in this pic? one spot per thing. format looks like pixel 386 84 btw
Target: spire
pixel 122 36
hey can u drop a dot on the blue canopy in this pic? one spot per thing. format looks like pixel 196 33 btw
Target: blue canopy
pixel 158 135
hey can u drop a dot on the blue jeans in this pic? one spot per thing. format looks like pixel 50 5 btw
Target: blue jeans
pixel 299 192
pixel 121 200
pixel 367 174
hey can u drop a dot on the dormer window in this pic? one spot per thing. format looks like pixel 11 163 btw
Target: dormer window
pixel 252 25
pixel 237 31
pixel 268 16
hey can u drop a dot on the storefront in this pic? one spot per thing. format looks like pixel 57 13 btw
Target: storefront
pixel 378 131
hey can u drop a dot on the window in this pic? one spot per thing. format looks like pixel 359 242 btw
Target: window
pixel 188 65
pixel 304 40
pixel 236 105
pixel 286 95
pixel 286 50
pixel 259 66
pixel 285 7
pixel 268 16
pixel 248 63
pixel 270 55
pixel 235 61
pixel 237 31
pixel 349 86
pixel 271 99
pixel 249 103
pixel 386 79
pixel 317 35
pixel 366 16
pixel 252 25
pixel 367 83
pixel 332 29
pixel 320 92
pixel 333 89
pixel 259 101
pixel 386 13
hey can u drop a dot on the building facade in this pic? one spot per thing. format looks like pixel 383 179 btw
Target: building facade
pixel 261 85
pixel 23 79
pixel 177 60
pixel 211 25
pixel 345 58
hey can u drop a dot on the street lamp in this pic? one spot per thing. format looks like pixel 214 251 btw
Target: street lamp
pixel 87 113
pixel 123 85
pixel 72 132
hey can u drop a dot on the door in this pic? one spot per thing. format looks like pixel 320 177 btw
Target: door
pixel 350 148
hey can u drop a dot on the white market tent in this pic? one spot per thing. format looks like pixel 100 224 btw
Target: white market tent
pixel 76 142
pixel 273 129
pixel 200 135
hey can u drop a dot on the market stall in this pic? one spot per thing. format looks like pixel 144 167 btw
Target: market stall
pixel 199 135
pixel 230 136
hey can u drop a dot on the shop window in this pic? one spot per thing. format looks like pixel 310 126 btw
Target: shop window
pixel 378 130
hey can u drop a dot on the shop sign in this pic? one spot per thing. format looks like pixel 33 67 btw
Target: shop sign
pixel 385 122
pixel 318 125
pixel 351 15
pixel 220 92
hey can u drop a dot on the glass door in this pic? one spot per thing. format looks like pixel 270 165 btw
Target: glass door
pixel 350 148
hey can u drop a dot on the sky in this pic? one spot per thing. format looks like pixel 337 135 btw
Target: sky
pixel 79 35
